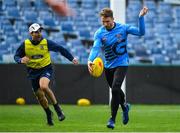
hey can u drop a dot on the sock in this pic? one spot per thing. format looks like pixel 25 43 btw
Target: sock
pixel 57 109
pixel 48 111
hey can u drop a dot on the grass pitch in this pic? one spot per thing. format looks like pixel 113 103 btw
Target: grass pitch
pixel 31 118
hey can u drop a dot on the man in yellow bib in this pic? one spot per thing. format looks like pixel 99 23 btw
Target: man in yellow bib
pixel 34 53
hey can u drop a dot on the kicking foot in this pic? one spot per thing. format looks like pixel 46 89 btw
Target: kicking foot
pixel 111 124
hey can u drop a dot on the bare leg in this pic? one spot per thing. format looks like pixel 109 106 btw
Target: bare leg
pixel 41 98
pixel 44 85
pixel 40 95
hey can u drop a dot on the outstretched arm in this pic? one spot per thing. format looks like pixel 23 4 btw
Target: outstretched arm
pixel 52 46
pixel 141 29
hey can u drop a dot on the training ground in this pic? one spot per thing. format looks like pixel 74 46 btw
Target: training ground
pixel 143 118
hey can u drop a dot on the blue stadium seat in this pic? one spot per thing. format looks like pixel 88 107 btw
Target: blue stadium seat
pixel 13 13
pixel 30 17
pixel 40 5
pixel 150 4
pixel 76 42
pixel 11 3
pixel 177 38
pixel 49 22
pixel 160 59
pixel 19 24
pixel 60 41
pixel 55 57
pixel 25 36
pixel 164 7
pixel 22 30
pixel 67 27
pixel 175 62
pixel 24 4
pixel 7 28
pixel 56 35
pixel 44 14
pixel 84 34
pixel 4 48
pixel 78 19
pixel 1 8
pixel 88 4
pixel 161 38
pixel 140 51
pixel 11 40
pixel 102 3
pixel 8 58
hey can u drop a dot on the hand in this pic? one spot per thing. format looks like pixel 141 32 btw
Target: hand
pixel 25 60
pixel 90 68
pixel 75 61
pixel 143 11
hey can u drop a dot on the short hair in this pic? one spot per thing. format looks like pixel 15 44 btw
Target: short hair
pixel 106 12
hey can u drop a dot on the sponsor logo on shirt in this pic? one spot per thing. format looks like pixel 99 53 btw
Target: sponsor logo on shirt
pixel 118 36
pixel 104 39
pixel 37 56
pixel 41 47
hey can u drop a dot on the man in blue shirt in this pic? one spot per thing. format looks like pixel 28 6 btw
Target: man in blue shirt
pixel 112 39
pixel 34 53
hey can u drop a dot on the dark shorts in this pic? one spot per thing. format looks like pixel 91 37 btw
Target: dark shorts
pixel 45 72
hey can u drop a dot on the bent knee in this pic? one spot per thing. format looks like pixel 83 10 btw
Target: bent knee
pixel 40 96
pixel 44 87
pixel 41 99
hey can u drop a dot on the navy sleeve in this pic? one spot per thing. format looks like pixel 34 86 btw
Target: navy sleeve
pixel 20 52
pixel 52 46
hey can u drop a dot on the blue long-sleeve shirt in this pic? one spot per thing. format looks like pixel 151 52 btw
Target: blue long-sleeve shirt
pixel 113 43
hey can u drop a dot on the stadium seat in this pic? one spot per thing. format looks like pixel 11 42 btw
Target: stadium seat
pixel 40 5
pixel 13 13
pixel 160 59
pixel 1 8
pixel 10 3
pixel 50 25
pixel 88 4
pixel 177 38
pixel 67 27
pixel 8 58
pixel 84 34
pixel 24 4
pixel 30 17
pixel 161 38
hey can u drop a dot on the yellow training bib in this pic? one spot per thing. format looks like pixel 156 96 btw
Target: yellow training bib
pixel 38 54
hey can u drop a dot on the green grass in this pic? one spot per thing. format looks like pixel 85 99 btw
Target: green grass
pixel 31 118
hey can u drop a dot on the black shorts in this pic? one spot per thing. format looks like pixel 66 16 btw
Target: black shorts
pixel 44 72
